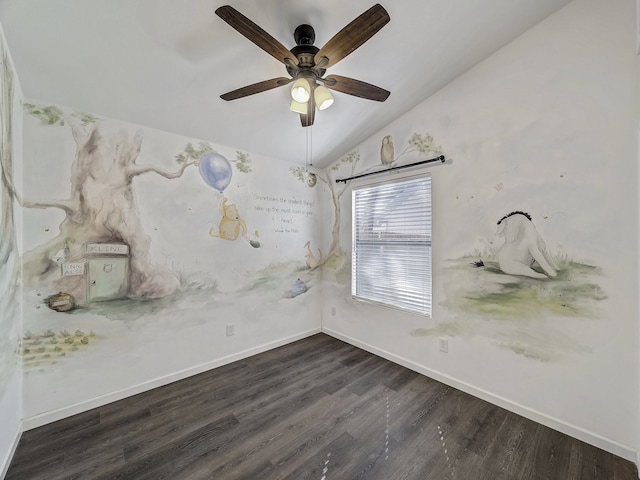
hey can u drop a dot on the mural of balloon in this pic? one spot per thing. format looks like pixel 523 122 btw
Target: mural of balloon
pixel 215 170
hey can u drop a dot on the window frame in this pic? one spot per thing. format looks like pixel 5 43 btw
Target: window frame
pixel 428 281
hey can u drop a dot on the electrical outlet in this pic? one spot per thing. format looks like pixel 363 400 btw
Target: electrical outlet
pixel 333 311
pixel 444 345
pixel 231 329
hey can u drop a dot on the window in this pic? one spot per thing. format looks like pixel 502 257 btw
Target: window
pixel 391 257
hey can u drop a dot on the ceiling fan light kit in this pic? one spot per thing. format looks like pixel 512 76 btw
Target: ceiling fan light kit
pixel 298 107
pixel 323 97
pixel 306 64
pixel 301 90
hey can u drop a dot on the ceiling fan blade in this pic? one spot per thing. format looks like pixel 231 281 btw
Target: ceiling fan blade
pixel 353 35
pixel 357 88
pixel 256 34
pixel 307 118
pixel 256 88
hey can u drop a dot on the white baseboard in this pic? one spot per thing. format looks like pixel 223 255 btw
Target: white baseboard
pixel 591 438
pixel 54 415
pixel 6 462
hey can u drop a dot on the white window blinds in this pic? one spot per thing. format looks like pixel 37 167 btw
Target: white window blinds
pixel 391 258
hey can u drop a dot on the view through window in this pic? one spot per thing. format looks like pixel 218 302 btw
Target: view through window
pixel 392 244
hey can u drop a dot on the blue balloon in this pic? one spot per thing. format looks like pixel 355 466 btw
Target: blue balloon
pixel 215 170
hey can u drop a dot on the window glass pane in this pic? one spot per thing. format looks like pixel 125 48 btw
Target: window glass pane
pixel 392 244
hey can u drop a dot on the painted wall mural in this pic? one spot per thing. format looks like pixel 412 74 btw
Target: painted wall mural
pixel 504 291
pixel 522 247
pixel 102 251
pixel 528 133
pixel 420 144
pixel 155 245
pixel 515 285
pixel 101 217
pixel 9 261
pixel 10 269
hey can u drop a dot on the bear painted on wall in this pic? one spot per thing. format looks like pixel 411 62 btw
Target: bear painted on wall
pixel 231 225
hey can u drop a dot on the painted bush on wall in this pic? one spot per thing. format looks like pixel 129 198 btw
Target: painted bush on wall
pixel 146 245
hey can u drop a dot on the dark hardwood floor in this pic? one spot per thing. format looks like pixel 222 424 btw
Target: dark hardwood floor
pixel 315 409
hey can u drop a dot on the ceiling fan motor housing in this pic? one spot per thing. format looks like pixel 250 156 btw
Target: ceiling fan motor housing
pixel 304 35
pixel 305 52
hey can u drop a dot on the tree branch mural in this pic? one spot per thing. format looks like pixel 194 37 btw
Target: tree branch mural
pixel 101 207
pixel 422 144
pixel 7 234
pixel 9 261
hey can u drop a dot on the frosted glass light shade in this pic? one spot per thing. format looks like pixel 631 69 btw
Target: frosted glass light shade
pixel 298 107
pixel 323 97
pixel 301 90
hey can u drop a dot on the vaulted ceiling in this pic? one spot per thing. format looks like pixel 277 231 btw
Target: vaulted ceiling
pixel 164 63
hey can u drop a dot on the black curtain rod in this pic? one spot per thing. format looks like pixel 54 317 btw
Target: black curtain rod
pixel 345 180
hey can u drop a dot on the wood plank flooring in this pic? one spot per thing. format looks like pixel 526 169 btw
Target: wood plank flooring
pixel 316 409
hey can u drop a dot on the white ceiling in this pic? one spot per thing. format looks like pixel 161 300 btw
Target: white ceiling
pixel 164 63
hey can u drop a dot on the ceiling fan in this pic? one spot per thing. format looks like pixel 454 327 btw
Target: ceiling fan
pixel 307 64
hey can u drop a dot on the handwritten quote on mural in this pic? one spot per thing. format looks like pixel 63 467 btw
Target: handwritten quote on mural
pixel 284 211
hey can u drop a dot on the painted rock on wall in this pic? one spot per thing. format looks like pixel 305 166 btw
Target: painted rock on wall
pixel 61 302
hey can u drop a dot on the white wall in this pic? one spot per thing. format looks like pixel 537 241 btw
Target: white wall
pixel 135 344
pixel 547 125
pixel 10 301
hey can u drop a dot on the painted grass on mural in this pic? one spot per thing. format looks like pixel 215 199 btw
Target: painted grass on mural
pixel 519 313
pixel 9 358
pixel 284 280
pixel 485 290
pixel 49 347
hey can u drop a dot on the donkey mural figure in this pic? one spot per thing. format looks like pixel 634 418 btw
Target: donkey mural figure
pixel 522 247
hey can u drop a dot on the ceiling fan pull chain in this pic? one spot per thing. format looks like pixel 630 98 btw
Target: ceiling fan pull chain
pixel 311 146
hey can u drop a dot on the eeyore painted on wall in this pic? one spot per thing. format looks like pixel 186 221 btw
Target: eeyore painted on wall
pixel 522 247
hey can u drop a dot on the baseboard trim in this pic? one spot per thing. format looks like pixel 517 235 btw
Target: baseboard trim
pixel 591 438
pixel 54 415
pixel 6 461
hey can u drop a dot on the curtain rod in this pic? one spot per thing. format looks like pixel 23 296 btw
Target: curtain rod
pixel 345 180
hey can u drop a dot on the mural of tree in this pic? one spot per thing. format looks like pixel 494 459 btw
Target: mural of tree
pixel 9 262
pixel 7 234
pixel 422 144
pixel 102 206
